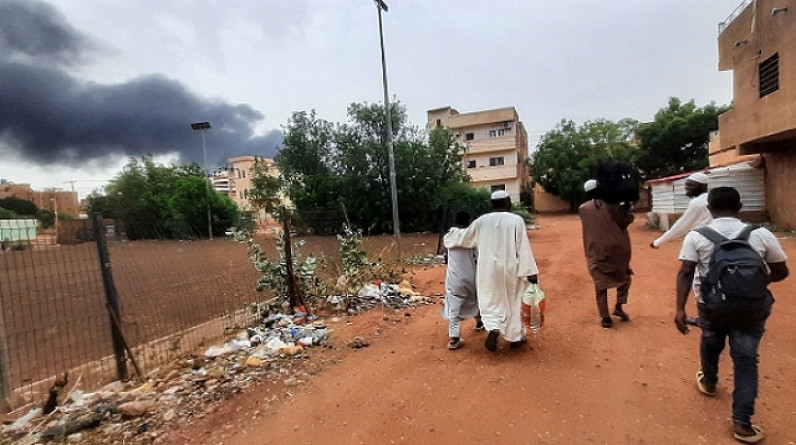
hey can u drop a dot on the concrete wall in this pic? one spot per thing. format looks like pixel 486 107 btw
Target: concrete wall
pixel 756 119
pixel 780 199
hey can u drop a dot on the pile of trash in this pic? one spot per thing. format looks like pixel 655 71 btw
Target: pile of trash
pixel 277 350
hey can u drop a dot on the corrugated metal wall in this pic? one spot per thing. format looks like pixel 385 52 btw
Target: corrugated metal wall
pixel 749 181
pixel 669 196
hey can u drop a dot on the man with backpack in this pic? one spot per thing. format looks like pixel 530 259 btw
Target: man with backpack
pixel 729 266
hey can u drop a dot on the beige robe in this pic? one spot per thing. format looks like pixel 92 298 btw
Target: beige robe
pixel 606 242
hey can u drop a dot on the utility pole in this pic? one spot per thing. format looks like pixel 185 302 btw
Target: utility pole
pixel 202 127
pixel 380 5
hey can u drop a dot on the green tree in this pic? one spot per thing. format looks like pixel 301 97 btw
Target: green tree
pixel 266 187
pixel 155 200
pixel 676 141
pixel 567 155
pixel 7 214
pixel 329 166
pixel 18 205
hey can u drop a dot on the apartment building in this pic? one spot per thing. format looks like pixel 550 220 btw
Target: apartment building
pixel 235 180
pixel 495 148
pixel 758 43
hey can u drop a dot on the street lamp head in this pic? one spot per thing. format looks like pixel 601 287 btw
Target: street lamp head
pixel 381 5
pixel 200 125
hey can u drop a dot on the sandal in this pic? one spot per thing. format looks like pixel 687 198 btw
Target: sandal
pixel 754 438
pixel 702 386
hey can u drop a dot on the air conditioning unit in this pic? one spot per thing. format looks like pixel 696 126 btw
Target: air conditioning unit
pixel 506 124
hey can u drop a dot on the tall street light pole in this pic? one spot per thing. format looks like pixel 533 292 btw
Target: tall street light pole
pixel 202 127
pixel 380 5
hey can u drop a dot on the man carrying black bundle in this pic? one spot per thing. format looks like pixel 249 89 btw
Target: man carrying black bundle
pixel 607 246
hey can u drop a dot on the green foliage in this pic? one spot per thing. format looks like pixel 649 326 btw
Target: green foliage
pixel 7 214
pixel 357 269
pixel 274 273
pixel 266 187
pixel 325 165
pixel 567 155
pixel 146 195
pixel 519 208
pixel 18 205
pixel 677 140
pixel 46 218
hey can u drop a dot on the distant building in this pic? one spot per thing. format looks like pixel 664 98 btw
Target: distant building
pixel 756 42
pixel 495 148
pixel 55 200
pixel 235 180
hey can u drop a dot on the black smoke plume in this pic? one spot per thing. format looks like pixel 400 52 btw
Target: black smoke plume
pixel 49 117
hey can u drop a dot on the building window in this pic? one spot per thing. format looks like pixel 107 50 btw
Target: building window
pixel 471 163
pixel 439 122
pixel 469 136
pixel 496 161
pixel 497 133
pixel 495 188
pixel 492 133
pixel 769 75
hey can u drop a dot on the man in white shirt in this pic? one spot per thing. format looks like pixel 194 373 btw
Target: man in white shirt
pixel 744 337
pixel 695 215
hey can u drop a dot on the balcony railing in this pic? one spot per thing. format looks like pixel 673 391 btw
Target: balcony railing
pixel 723 25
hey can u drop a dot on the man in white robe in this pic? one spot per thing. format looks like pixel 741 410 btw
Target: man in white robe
pixel 695 215
pixel 505 266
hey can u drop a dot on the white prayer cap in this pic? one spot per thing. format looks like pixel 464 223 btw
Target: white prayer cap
pixel 698 177
pixel 500 194
pixel 589 185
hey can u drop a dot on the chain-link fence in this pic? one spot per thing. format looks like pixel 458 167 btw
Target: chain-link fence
pixel 92 305
pixel 86 299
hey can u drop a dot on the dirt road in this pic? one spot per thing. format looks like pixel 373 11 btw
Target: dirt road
pixel 577 383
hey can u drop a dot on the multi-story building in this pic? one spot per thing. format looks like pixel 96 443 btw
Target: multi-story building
pixel 758 42
pixel 495 148
pixel 235 180
pixel 56 200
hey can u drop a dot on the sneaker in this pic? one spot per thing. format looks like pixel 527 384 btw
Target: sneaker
pixel 704 388
pixel 491 340
pixel 479 326
pixel 607 322
pixel 455 344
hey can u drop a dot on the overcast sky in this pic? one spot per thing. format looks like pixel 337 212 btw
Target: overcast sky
pixel 85 84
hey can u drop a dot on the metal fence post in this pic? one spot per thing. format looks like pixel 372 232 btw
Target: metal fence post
pixel 5 385
pixel 111 297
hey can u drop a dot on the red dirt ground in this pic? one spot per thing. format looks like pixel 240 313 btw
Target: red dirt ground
pixel 576 383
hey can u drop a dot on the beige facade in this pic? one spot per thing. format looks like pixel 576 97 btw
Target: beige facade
pixel 495 148
pixel 59 201
pixel 235 181
pixel 758 43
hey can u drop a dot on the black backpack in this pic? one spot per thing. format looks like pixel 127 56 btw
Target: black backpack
pixel 617 182
pixel 736 286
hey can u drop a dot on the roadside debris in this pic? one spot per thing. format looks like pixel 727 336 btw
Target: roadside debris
pixel 276 350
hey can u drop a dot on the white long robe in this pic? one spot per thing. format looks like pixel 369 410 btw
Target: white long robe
pixel 505 260
pixel 460 292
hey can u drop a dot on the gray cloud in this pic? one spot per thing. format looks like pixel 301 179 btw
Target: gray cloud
pixel 50 117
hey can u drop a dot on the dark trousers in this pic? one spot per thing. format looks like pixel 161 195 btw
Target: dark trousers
pixel 744 342
pixel 602 297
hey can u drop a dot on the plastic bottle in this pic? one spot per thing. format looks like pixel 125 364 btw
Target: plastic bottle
pixel 532 309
